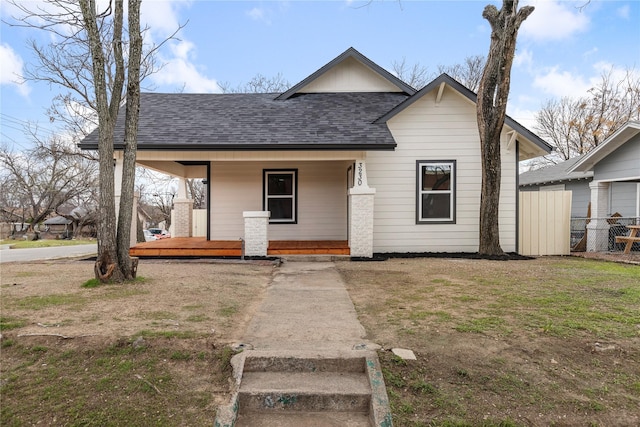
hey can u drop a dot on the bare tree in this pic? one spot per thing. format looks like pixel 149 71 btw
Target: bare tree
pixel 493 93
pixel 163 203
pixel 132 115
pixel 65 61
pixel 259 84
pixel 157 191
pixel 107 108
pixel 469 72
pixel 87 57
pixel 197 190
pixel 416 75
pixel 575 126
pixel 38 181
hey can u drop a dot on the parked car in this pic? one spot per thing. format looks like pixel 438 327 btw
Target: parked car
pixel 148 236
pixel 159 233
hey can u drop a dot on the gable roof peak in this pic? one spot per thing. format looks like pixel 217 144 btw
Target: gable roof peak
pixel 347 54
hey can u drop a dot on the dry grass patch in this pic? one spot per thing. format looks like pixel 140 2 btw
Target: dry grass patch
pixel 551 341
pixel 150 352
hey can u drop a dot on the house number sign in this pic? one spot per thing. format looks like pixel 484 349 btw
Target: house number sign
pixel 360 174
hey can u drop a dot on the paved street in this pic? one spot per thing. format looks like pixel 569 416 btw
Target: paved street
pixel 35 254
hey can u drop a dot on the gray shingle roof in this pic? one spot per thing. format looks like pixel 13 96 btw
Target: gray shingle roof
pixel 58 220
pixel 259 121
pixel 555 173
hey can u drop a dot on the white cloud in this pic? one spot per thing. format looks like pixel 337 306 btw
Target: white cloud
pixel 523 57
pixel 558 83
pixel 162 17
pixel 11 69
pixel 259 14
pixel 590 52
pixel 624 12
pixel 523 116
pixel 554 20
pixel 180 70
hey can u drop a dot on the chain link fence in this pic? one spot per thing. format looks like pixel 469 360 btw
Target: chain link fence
pixel 604 239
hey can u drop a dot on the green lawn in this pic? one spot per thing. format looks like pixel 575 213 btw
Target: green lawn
pixel 26 244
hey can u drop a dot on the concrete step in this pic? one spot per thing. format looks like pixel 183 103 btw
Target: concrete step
pixel 342 362
pixel 304 391
pixel 306 388
pixel 314 258
pixel 306 419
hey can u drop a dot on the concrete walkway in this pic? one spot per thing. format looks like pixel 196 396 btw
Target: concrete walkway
pixel 307 361
pixel 307 308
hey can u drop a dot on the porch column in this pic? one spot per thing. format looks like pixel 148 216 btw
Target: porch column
pixel 598 227
pixel 361 213
pixel 182 212
pixel 256 239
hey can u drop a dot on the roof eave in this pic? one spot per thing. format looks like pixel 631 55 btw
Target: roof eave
pixel 604 149
pixel 551 181
pixel 255 147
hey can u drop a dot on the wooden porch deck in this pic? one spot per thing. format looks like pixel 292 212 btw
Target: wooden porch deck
pixel 201 247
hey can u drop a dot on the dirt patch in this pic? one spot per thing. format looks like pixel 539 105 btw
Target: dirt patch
pixel 199 298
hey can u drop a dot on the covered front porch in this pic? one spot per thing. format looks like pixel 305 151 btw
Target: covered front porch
pixel 201 247
pixel 267 204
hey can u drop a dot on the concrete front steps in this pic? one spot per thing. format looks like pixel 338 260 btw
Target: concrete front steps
pixel 343 390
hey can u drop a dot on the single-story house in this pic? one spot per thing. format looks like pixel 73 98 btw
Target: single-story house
pixel 623 195
pixel 59 225
pixel 349 153
pixel 615 187
pixel 557 178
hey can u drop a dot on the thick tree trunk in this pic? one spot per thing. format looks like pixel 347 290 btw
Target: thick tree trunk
pixel 106 267
pixel 491 108
pixel 125 215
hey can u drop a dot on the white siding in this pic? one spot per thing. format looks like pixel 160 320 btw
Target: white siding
pixel 350 76
pixel 430 131
pixel 322 201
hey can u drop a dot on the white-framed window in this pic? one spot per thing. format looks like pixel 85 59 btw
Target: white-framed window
pixel 436 191
pixel 280 195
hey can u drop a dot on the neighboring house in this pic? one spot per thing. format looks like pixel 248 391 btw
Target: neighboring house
pixel 558 178
pixel 59 225
pixel 349 153
pixel 615 164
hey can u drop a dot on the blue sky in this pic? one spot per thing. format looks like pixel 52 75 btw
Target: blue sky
pixel 563 47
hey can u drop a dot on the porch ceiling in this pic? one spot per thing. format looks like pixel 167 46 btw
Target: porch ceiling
pixel 192 164
pixel 175 168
